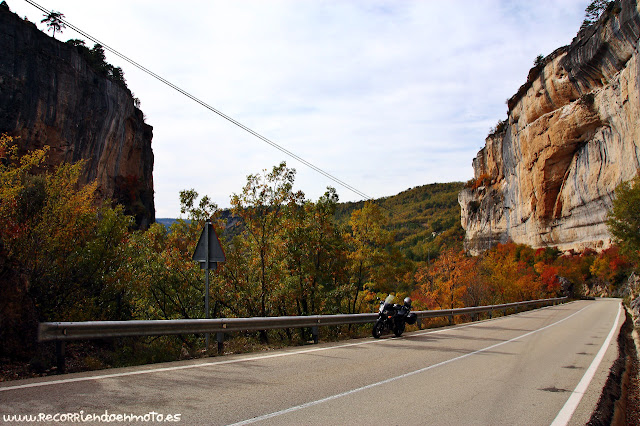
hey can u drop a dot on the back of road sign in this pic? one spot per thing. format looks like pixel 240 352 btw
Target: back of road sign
pixel 215 249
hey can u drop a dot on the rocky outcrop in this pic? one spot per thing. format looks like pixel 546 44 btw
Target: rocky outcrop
pixel 51 95
pixel 547 176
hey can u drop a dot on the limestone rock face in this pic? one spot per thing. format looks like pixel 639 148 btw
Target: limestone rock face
pixel 573 134
pixel 50 95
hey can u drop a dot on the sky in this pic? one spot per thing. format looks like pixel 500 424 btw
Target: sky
pixel 385 95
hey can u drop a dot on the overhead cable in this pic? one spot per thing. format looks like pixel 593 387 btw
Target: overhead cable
pixel 209 107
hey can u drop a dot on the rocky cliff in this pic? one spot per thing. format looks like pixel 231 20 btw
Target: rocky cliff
pixel 546 176
pixel 50 94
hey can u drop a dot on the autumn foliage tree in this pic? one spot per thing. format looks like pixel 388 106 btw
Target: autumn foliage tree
pixel 444 284
pixel 68 242
pixel 315 255
pixel 261 205
pixel 505 273
pixel 368 254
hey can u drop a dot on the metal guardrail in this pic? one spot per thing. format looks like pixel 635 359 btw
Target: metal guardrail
pixel 100 329
pixel 60 332
pixel 64 331
pixel 489 308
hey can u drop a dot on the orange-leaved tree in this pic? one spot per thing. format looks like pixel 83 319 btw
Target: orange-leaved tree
pixel 509 274
pixel 444 285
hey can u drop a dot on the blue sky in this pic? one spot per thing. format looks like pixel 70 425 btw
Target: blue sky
pixel 384 95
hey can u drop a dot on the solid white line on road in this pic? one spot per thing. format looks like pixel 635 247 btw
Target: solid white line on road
pixel 402 376
pixel 231 361
pixel 570 406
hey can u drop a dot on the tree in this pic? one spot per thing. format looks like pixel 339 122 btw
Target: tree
pixel 67 242
pixel 370 252
pixel 446 284
pixel 593 12
pixel 508 270
pixel 54 22
pixel 98 59
pixel 168 283
pixel 609 266
pixel 261 205
pixel 314 253
pixel 624 217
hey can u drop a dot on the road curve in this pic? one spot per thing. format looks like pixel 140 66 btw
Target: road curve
pixel 530 369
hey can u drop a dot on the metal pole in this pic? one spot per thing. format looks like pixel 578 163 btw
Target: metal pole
pixel 220 339
pixel 206 281
pixel 60 356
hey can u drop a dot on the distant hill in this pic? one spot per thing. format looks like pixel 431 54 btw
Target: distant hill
pixel 425 218
pixel 167 222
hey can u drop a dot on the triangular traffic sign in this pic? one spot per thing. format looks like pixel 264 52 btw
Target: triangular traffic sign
pixel 216 254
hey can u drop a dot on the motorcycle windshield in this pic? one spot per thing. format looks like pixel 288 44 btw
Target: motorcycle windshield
pixel 389 300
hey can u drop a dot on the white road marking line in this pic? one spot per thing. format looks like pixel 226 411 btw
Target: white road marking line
pixel 570 406
pixel 232 361
pixel 402 376
pixel 209 364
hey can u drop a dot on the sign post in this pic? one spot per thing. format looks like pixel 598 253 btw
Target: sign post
pixel 209 253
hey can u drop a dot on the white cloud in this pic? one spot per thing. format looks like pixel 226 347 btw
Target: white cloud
pixel 385 95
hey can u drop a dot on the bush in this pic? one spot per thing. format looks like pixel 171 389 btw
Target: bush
pixel 482 180
pixel 499 128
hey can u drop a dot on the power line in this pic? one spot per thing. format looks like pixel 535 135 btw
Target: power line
pixel 209 107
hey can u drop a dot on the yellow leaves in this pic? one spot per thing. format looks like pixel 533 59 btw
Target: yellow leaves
pixel 14 169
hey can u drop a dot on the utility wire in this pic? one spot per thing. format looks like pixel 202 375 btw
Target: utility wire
pixel 209 107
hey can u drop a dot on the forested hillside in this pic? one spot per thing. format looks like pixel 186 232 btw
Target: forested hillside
pixel 425 219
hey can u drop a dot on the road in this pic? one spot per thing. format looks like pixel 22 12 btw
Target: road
pixel 520 369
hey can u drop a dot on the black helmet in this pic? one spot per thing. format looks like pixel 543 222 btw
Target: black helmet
pixel 407 302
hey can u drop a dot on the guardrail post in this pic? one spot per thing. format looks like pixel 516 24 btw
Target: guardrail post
pixel 314 333
pixel 60 358
pixel 451 319
pixel 220 339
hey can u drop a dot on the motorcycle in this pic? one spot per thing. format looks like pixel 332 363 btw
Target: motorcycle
pixel 393 317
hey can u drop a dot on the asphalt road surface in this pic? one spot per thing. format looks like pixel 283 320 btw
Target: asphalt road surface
pixel 532 368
